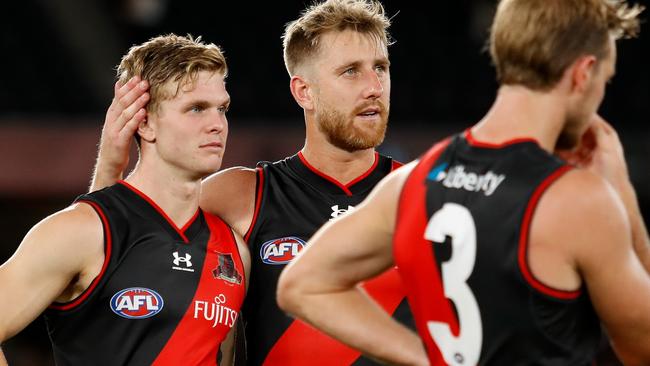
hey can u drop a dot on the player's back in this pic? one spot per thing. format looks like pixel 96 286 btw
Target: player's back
pixel 464 217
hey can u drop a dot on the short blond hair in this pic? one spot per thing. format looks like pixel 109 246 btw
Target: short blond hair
pixel 170 58
pixel 301 37
pixel 532 42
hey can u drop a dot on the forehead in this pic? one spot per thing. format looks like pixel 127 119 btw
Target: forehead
pixel 341 47
pixel 207 85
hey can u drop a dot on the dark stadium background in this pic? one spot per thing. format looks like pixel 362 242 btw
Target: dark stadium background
pixel 58 58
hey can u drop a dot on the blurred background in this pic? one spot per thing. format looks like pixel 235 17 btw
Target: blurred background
pixel 59 59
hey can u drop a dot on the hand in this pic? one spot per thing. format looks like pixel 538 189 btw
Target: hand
pixel 123 117
pixel 600 151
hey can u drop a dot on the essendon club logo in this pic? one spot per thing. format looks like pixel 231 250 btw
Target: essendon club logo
pixel 226 269
pixel 136 303
pixel 281 251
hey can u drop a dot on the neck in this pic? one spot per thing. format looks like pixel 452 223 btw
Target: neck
pixel 176 195
pixel 519 112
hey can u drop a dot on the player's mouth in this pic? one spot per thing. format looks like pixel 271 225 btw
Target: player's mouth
pixel 215 145
pixel 370 113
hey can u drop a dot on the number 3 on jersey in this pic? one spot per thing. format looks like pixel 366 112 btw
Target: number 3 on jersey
pixel 456 221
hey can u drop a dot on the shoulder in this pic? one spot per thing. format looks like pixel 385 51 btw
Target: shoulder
pixel 77 221
pixel 68 241
pixel 230 194
pixel 582 211
pixel 220 188
pixel 234 175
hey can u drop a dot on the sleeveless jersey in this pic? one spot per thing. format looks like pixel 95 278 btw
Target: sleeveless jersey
pixel 164 296
pixel 293 201
pixel 461 248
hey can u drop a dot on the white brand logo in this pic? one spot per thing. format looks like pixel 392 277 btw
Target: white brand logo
pixel 336 211
pixel 216 312
pixel 185 260
pixel 457 178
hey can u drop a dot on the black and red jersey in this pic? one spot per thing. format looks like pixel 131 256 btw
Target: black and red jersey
pixel 165 295
pixel 293 201
pixel 461 248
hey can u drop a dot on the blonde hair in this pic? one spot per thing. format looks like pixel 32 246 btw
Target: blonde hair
pixel 170 58
pixel 532 42
pixel 301 37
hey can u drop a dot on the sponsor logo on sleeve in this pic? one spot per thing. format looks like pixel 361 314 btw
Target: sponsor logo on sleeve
pixel 136 303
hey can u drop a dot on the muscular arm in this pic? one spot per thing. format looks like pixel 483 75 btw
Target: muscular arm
pixel 230 194
pixel 124 115
pixel 320 286
pixel 601 152
pixel 593 235
pixel 55 262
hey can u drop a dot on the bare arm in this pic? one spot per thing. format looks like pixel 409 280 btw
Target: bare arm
pixel 601 152
pixel 56 261
pixel 228 348
pixel 230 194
pixel 122 119
pixel 324 277
pixel 594 232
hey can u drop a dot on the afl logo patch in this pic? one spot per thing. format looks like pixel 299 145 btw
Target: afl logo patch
pixel 281 251
pixel 136 303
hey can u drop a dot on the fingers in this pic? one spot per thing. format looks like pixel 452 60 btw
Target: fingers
pixel 135 111
pixel 130 92
pixel 127 107
pixel 132 124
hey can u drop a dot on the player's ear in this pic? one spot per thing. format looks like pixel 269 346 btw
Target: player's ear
pixel 582 72
pixel 302 91
pixel 146 131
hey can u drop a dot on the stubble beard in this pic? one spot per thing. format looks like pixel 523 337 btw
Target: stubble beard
pixel 340 130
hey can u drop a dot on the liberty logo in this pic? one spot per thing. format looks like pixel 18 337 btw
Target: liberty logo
pixel 185 260
pixel 458 178
pixel 336 211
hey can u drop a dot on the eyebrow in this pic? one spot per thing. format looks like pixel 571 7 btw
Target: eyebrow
pixel 356 64
pixel 206 103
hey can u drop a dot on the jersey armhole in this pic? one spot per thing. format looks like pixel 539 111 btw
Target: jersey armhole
pixel 241 262
pixel 524 238
pixel 259 194
pixel 108 246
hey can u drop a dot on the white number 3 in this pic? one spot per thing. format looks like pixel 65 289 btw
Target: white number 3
pixel 456 221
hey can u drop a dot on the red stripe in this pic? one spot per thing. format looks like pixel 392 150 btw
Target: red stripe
pixel 323 175
pixel 303 345
pixel 108 245
pixel 190 221
pixel 414 256
pixel 161 211
pixel 472 141
pixel 367 173
pixel 344 187
pixel 396 165
pixel 524 239
pixel 196 341
pixel 258 202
